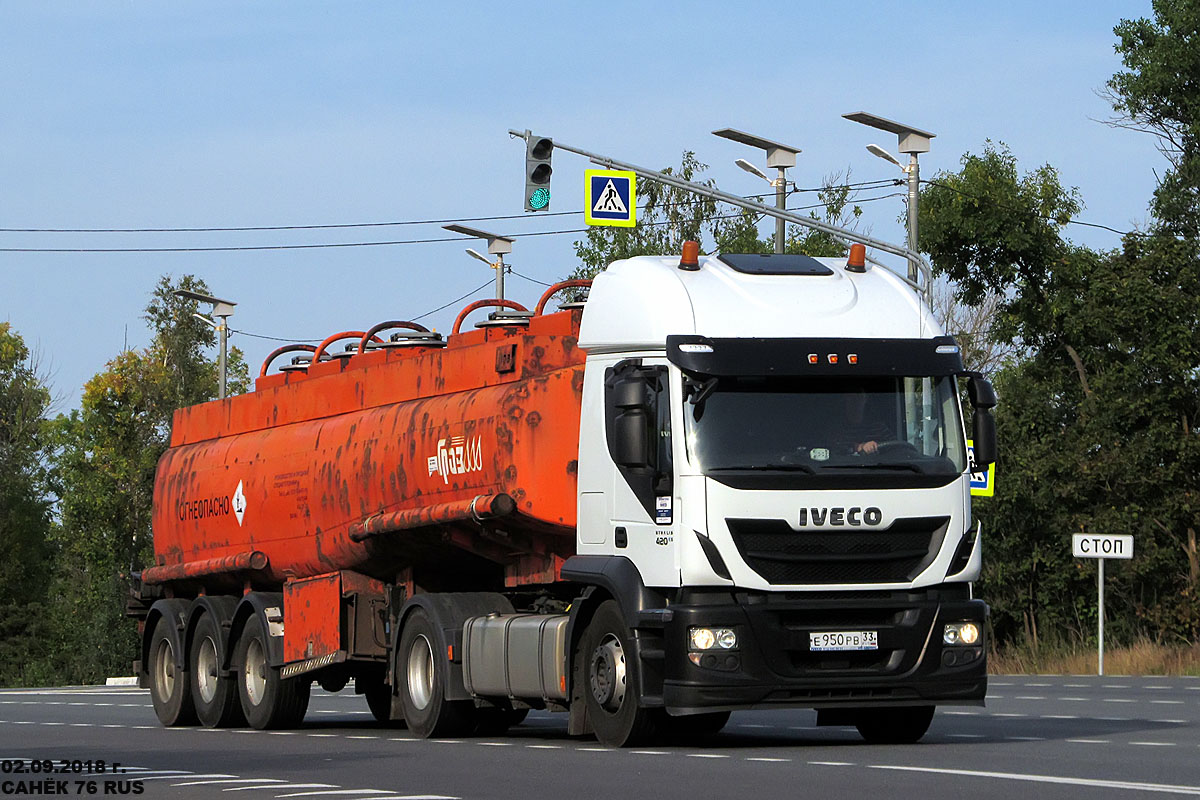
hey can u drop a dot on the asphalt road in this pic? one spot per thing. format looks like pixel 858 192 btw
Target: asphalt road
pixel 1053 737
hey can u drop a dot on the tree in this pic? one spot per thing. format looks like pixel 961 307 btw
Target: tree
pixel 24 507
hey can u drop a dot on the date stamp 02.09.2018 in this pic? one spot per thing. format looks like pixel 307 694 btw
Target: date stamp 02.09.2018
pixel 60 776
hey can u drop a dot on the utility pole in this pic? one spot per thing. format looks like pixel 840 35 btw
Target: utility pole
pixel 780 156
pixel 911 141
pixel 222 310
pixel 497 246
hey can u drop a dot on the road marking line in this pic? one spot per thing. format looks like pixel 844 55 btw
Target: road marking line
pixel 1168 702
pixel 446 741
pixel 1074 699
pixel 544 746
pixel 1018 776
pixel 995 697
pixel 1156 687
pixel 363 737
pixel 1118 700
pixel 1154 744
pixel 1026 738
pixel 1038 684
pixel 965 735
pixel 81 724
pixel 494 744
pixel 52 723
pixel 832 763
pixel 593 749
pixel 1030 697
pixel 177 777
pixel 282 733
pixel 1076 685
pixel 962 713
pixel 1113 686
pixel 1114 719
pixel 999 683
pixel 1008 714
pixel 649 752
pixel 232 780
pixel 705 755
pixel 1171 721
pixel 773 760
pixel 284 786
pixel 1090 741
pixel 338 791
pixel 322 735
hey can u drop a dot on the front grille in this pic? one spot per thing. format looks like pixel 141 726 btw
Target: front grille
pixel 783 555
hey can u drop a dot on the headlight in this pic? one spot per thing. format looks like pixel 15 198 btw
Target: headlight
pixel 961 633
pixel 711 638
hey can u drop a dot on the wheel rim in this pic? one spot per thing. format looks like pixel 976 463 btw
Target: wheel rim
pixel 254 672
pixel 164 669
pixel 607 674
pixel 420 672
pixel 206 669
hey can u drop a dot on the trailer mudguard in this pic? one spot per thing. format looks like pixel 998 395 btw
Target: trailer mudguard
pixel 221 608
pixel 449 611
pixel 175 611
pixel 259 603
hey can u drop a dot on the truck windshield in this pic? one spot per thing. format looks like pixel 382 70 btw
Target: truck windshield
pixel 826 425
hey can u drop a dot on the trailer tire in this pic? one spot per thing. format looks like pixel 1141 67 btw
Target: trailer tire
pixel 267 699
pixel 894 725
pixel 610 674
pixel 214 696
pixel 169 689
pixel 421 673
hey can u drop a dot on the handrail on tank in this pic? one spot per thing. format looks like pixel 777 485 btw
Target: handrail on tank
pixel 287 348
pixel 555 289
pixel 331 339
pixel 462 315
pixel 392 323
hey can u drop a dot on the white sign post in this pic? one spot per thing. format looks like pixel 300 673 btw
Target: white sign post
pixel 1101 546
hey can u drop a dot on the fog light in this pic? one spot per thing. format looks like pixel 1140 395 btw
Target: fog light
pixel 727 639
pixel 961 633
pixel 703 638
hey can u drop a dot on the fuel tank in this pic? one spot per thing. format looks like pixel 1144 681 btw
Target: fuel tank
pixel 435 463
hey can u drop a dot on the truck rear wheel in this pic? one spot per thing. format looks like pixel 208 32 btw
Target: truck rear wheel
pixel 215 696
pixel 268 700
pixel 421 672
pixel 611 679
pixel 894 725
pixel 379 700
pixel 169 689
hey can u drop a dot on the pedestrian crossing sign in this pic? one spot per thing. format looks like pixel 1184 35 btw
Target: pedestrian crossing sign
pixel 611 197
pixel 982 481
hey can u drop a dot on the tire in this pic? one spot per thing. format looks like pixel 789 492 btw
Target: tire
pixel 422 678
pixel 695 727
pixel 611 681
pixel 895 725
pixel 495 721
pixel 267 700
pixel 169 688
pixel 214 696
pixel 379 700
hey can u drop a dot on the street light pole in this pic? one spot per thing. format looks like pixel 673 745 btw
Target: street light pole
pixel 497 246
pixel 222 310
pixel 780 156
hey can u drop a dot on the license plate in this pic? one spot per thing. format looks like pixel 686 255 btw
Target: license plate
pixel 844 640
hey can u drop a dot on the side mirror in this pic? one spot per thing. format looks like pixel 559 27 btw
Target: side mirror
pixel 632 426
pixel 983 431
pixel 981 393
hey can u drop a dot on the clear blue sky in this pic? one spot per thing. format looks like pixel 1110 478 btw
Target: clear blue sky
pixel 141 114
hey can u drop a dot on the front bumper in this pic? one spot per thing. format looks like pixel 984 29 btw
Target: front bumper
pixel 773 665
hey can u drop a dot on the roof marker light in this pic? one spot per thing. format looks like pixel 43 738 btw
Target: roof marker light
pixel 812 358
pixel 832 358
pixel 946 349
pixel 695 348
pixel 857 260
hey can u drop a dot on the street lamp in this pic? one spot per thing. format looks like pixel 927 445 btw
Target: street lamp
pixel 911 141
pixel 222 310
pixel 780 156
pixel 497 245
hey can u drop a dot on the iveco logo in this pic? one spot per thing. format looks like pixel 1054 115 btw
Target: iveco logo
pixel 841 516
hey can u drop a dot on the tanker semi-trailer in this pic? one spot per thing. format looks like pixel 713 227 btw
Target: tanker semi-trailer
pixel 720 483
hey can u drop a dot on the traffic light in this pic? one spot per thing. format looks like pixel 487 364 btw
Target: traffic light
pixel 538 150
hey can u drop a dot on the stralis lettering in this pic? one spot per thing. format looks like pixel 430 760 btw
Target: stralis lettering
pixel 204 508
pixel 456 456
pixel 841 516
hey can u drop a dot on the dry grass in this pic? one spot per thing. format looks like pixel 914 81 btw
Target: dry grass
pixel 1141 658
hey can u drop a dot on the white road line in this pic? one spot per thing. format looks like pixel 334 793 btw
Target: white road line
pixel 1118 700
pixel 1156 687
pixel 965 735
pixel 1154 744
pixel 1113 686
pixel 1090 741
pixel 232 780
pixel 1018 776
pixel 445 741
pixel 706 755
pixel 177 777
pixel 773 760
pixel 283 786
pixel 544 746
pixel 1168 702
pixel 1008 714
pixel 832 763
pixel 282 733
pixel 1076 685
pixel 337 792
pixel 1114 719
pixel 593 749
pixel 495 744
pixel 1030 697
pixel 1039 684
pixel 363 737
pixel 999 683
pixel 1026 738
pixel 1171 721
pixel 962 713
pixel 322 735
pixel 649 752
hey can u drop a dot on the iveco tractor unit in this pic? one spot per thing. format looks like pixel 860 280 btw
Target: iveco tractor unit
pixel 722 482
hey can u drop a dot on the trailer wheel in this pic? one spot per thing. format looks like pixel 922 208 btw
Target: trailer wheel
pixel 611 681
pixel 894 725
pixel 268 700
pixel 168 684
pixel 215 696
pixel 421 672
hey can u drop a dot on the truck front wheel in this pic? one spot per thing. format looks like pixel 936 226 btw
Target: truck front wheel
pixel 610 675
pixel 268 700
pixel 421 668
pixel 168 683
pixel 215 696
pixel 894 725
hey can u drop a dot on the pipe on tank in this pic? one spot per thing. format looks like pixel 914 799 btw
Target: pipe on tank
pixel 462 315
pixel 287 348
pixel 253 560
pixel 331 339
pixel 485 506
pixel 555 289
pixel 383 326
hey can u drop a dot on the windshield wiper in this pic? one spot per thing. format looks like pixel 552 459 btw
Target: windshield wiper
pixel 879 465
pixel 768 468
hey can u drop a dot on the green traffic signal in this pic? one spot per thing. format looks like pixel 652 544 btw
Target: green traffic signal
pixel 539 199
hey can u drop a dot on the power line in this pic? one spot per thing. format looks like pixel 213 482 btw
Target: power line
pixel 531 280
pixel 956 190
pixel 456 300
